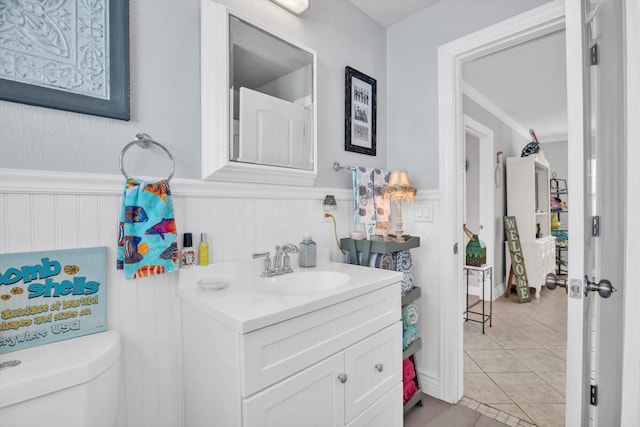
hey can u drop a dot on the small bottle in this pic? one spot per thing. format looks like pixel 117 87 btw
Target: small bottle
pixel 203 250
pixel 188 255
pixel 307 252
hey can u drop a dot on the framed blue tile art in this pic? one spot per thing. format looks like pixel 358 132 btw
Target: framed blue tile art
pixel 69 55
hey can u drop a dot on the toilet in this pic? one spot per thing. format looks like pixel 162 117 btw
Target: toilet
pixel 71 383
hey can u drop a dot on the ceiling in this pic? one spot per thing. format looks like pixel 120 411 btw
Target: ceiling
pixel 525 83
pixel 389 12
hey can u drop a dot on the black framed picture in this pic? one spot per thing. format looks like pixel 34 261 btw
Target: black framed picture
pixel 73 56
pixel 360 112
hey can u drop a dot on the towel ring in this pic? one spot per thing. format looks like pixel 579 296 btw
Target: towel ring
pixel 143 140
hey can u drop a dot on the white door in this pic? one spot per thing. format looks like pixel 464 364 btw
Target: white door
pixel 272 131
pixel 595 114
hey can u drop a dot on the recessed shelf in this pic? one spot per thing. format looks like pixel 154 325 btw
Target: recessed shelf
pixel 415 399
pixel 413 348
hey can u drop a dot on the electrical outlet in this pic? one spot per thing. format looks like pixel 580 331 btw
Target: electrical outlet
pixel 327 209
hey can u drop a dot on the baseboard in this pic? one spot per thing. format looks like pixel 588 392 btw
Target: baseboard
pixel 430 384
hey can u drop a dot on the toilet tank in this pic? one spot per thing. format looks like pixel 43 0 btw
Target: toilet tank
pixel 69 383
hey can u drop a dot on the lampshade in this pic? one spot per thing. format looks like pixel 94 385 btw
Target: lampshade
pixel 399 187
pixel 399 178
pixel 296 7
pixel 400 190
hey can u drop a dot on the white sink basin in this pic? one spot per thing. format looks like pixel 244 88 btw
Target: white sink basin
pixel 303 283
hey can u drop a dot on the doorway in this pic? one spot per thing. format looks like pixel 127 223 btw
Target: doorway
pixel 540 21
pixel 479 196
pixel 526 347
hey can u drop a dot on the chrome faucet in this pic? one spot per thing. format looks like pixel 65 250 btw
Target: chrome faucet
pixel 281 260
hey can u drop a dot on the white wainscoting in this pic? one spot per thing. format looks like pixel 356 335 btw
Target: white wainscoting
pixel 60 210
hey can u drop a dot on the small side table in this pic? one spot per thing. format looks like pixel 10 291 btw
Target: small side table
pixel 483 273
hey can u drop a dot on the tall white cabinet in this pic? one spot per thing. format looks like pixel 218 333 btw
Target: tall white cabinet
pixel 528 199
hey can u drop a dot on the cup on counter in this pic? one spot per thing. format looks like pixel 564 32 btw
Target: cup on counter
pixel 357 235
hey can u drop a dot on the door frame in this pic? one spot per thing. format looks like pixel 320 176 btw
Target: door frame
pixel 451 56
pixel 631 356
pixel 451 137
pixel 486 198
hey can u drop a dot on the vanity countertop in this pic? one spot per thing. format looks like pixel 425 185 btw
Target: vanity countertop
pixel 244 307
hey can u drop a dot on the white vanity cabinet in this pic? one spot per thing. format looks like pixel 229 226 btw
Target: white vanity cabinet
pixel 317 396
pixel 339 365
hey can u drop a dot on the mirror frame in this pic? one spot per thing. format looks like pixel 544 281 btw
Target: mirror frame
pixel 215 104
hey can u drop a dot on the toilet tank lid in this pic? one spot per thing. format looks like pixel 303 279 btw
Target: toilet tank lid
pixel 52 367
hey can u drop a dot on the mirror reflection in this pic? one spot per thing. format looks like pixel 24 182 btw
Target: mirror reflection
pixel 271 97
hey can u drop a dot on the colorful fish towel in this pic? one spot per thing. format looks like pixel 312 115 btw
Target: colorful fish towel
pixel 368 201
pixel 147 239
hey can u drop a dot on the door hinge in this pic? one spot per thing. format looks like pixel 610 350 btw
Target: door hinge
pixel 594 54
pixel 595 226
pixel 594 395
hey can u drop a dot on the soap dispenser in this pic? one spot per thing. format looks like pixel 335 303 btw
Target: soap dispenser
pixel 307 252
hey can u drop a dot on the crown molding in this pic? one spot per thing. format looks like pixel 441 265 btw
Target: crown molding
pixel 476 96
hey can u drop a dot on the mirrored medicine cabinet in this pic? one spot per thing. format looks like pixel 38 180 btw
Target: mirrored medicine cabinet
pixel 258 98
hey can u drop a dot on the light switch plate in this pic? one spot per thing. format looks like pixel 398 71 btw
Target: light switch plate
pixel 423 211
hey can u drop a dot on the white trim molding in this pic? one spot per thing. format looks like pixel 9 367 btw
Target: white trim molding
pixel 451 56
pixel 37 182
pixel 631 356
pixel 478 97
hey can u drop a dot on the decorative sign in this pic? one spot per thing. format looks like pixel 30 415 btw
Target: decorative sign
pixel 51 296
pixel 67 54
pixel 360 112
pixel 517 259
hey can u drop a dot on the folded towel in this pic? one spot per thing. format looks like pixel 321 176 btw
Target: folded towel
pixel 404 261
pixel 409 388
pixel 407 284
pixel 409 336
pixel 408 370
pixel 410 316
pixel 385 261
pixel 368 201
pixel 147 239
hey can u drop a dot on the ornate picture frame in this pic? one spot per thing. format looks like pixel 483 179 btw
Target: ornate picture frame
pixel 69 55
pixel 360 112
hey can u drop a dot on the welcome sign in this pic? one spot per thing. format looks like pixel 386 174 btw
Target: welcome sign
pixel 50 296
pixel 517 259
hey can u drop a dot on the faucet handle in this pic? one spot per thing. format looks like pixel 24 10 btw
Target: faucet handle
pixel 267 261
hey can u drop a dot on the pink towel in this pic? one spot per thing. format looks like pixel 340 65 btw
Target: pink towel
pixel 409 389
pixel 408 370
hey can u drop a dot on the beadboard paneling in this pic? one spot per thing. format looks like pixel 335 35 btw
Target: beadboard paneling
pixel 43 211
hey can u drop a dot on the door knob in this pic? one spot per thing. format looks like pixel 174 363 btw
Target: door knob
pixel 604 287
pixel 551 281
pixel 342 378
pixel 379 367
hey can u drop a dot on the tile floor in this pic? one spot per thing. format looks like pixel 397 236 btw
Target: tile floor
pixel 519 365
pixel 514 373
pixel 436 413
